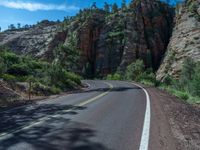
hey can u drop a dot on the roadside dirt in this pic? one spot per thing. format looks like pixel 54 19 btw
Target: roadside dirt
pixel 175 125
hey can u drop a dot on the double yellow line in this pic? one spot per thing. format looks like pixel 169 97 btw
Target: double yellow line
pixel 41 120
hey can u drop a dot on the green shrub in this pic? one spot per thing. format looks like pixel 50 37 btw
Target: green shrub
pixel 55 90
pixel 135 70
pixel 9 78
pixel 109 77
pixel 195 83
pixel 193 7
pixel 188 86
pixel 182 95
pixel 33 64
pixel 115 76
pixel 61 78
pixel 147 82
pixel 190 77
pixel 22 78
pixel 19 70
pixel 46 78
pixel 73 77
pixel 168 80
pixel 2 66
pixel 10 58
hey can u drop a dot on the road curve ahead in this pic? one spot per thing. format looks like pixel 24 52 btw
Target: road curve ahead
pixel 108 115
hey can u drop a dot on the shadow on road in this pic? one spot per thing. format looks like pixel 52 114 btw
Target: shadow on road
pixel 115 89
pixel 16 118
pixel 58 133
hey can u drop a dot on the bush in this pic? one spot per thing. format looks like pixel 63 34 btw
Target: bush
pixel 2 66
pixel 46 78
pixel 55 90
pixel 195 83
pixel 10 58
pixel 182 95
pixel 9 78
pixel 73 77
pixel 135 70
pixel 190 77
pixel 168 80
pixel 19 70
pixel 63 79
pixel 115 76
pixel 41 89
pixel 109 77
pixel 188 86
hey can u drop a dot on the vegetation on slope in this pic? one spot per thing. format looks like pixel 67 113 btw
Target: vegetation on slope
pixel 188 86
pixel 46 78
pixel 136 71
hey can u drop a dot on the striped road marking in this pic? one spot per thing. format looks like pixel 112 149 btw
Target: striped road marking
pixel 144 143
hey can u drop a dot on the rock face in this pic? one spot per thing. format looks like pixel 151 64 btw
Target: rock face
pixel 185 41
pixel 148 30
pixel 108 41
pixel 37 41
pixel 112 42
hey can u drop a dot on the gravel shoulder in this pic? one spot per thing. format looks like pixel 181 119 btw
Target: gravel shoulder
pixel 175 125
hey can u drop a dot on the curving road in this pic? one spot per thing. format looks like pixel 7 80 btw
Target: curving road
pixel 108 115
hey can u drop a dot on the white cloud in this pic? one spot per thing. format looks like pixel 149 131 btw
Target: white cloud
pixel 33 6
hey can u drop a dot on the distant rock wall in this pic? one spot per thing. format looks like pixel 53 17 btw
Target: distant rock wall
pixel 37 41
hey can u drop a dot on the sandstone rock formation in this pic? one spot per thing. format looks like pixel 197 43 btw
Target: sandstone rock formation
pixel 113 41
pixel 185 41
pixel 37 41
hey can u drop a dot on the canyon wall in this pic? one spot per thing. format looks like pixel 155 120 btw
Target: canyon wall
pixel 185 41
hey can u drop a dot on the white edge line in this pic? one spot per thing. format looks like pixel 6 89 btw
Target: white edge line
pixel 144 143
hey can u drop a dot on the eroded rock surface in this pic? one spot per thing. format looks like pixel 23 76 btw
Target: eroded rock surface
pixel 185 41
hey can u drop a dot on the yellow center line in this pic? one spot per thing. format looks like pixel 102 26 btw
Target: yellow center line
pixel 41 120
pixel 97 97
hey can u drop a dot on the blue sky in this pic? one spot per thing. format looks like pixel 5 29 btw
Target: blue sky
pixel 32 11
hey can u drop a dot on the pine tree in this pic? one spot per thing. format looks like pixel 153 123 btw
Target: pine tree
pixel 18 26
pixel 106 7
pixel 114 8
pixel 124 5
pixel 94 5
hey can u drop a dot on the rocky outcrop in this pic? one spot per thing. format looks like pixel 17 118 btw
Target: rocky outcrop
pixel 148 29
pixel 141 32
pixel 37 41
pixel 185 41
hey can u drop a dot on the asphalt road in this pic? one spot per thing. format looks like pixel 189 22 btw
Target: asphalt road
pixel 106 116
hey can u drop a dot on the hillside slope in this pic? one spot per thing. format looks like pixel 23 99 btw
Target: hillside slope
pixel 37 41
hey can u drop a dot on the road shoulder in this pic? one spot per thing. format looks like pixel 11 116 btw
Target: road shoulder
pixel 174 123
